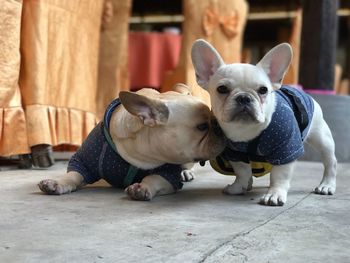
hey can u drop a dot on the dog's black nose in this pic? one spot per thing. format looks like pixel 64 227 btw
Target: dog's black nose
pixel 243 100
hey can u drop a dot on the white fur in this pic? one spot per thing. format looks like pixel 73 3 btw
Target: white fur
pixel 245 80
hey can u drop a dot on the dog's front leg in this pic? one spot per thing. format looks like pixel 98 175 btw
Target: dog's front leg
pixel 244 180
pixel 187 173
pixel 279 185
pixel 149 187
pixel 69 182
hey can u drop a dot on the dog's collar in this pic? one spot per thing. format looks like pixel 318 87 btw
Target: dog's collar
pixel 132 171
pixel 107 118
pixel 109 111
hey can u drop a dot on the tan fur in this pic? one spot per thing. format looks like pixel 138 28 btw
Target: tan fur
pixel 150 129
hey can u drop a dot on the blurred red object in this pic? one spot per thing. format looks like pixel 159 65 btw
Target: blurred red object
pixel 151 54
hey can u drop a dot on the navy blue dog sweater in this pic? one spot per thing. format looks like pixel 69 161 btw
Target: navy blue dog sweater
pixel 98 159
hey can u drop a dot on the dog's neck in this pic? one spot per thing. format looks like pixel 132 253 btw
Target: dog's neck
pixel 132 140
pixel 244 132
pixel 123 124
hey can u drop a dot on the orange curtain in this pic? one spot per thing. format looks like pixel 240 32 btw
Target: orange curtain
pixel 113 74
pixel 58 71
pixel 221 22
pixel 58 80
pixel 13 132
pixel 292 74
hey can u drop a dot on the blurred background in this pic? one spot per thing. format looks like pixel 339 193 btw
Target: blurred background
pixel 62 62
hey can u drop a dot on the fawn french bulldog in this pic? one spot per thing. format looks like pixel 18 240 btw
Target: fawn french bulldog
pixel 142 143
pixel 263 120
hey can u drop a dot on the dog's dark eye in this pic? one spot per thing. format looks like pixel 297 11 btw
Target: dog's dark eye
pixel 222 89
pixel 262 90
pixel 203 126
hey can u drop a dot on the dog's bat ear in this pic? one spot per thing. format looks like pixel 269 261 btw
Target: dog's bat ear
pixel 206 60
pixel 150 111
pixel 276 62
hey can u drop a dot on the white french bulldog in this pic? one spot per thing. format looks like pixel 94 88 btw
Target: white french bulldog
pixel 142 143
pixel 263 120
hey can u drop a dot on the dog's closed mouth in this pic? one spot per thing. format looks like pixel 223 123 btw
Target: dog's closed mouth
pixel 243 114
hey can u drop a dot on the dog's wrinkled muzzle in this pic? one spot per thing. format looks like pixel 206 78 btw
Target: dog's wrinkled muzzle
pixel 243 112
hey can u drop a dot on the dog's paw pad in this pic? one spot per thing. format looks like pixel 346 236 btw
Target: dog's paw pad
pixel 325 189
pixel 274 199
pixel 187 175
pixel 138 192
pixel 50 187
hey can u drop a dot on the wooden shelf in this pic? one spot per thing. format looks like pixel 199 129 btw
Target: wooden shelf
pixel 155 19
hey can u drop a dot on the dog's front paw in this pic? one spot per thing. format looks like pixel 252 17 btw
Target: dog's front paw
pixel 237 188
pixel 325 189
pixel 234 189
pixel 274 197
pixel 187 175
pixel 137 191
pixel 51 187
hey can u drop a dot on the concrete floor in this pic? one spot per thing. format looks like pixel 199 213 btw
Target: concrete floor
pixel 198 224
